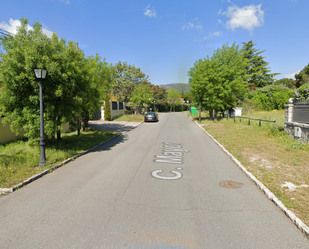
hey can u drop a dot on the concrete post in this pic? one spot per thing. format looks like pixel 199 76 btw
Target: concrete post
pixel 288 113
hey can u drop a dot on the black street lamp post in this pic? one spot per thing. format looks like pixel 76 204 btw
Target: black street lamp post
pixel 40 75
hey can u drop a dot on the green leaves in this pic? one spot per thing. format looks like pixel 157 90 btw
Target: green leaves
pixel 218 82
pixel 302 77
pixel 72 85
pixel 141 96
pixel 257 71
pixel 125 79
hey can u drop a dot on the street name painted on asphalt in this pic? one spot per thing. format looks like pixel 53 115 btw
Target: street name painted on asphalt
pixel 172 154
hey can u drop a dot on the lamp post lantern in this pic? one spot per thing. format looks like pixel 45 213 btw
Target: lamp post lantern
pixel 40 75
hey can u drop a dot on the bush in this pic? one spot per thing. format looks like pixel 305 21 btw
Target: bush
pixel 302 94
pixel 270 97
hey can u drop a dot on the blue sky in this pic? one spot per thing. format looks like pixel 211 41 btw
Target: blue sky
pixel 164 37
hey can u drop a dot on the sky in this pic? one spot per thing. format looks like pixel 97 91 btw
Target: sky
pixel 164 38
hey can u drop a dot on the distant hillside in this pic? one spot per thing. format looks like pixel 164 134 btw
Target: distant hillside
pixel 178 86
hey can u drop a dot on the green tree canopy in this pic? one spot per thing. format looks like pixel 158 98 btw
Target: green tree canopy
pixel 159 94
pixel 142 96
pixel 220 81
pixel 99 78
pixel 285 82
pixel 302 77
pixel 67 89
pixel 173 98
pixel 257 71
pixel 125 78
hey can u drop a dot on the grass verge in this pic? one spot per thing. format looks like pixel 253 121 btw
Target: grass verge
pixel 130 118
pixel 19 160
pixel 270 154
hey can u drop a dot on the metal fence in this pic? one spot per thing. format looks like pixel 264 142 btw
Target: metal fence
pixel 257 119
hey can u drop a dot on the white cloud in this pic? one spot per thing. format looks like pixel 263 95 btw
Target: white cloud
pixel 213 35
pixel 13 25
pixel 196 24
pixel 248 17
pixel 47 32
pixel 150 12
pixel 291 75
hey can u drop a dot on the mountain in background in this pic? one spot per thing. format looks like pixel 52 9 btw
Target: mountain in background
pixel 185 87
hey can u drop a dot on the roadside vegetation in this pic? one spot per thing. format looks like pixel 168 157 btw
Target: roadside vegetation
pixel 19 160
pixel 270 154
pixel 77 86
pixel 130 118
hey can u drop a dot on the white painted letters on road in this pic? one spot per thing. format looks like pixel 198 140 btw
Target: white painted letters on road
pixel 177 175
pixel 172 154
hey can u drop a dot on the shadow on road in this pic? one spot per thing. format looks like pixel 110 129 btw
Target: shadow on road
pixel 113 126
pixel 106 146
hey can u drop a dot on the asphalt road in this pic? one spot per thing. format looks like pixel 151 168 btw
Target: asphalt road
pixel 161 185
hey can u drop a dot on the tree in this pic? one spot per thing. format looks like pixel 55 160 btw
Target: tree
pixel 125 79
pixel 141 96
pixel 19 100
pixel 218 83
pixel 201 83
pixel 173 98
pixel 285 82
pixel 99 78
pixel 302 77
pixel 159 95
pixel 257 71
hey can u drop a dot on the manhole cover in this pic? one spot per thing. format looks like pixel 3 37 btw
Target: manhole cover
pixel 230 184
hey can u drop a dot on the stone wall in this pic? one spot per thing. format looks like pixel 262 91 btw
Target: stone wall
pixel 6 135
pixel 298 131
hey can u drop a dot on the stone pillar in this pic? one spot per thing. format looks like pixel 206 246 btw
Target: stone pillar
pixel 288 113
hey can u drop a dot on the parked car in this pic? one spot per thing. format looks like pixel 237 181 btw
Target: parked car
pixel 151 117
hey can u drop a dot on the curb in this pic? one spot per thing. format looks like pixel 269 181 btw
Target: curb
pixel 6 191
pixel 301 226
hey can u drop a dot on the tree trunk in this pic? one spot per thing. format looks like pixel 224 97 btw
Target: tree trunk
pixel 216 115
pixel 85 120
pixel 58 130
pixel 58 135
pixel 78 125
pixel 211 114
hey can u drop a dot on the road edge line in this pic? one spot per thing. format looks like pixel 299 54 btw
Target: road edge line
pixel 6 191
pixel 271 196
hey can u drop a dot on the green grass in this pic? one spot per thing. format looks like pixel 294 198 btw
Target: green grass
pixel 268 153
pixel 130 118
pixel 19 160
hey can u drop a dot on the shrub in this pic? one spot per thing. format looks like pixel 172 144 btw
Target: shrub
pixel 271 97
pixel 302 94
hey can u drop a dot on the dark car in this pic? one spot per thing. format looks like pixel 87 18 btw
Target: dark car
pixel 151 117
